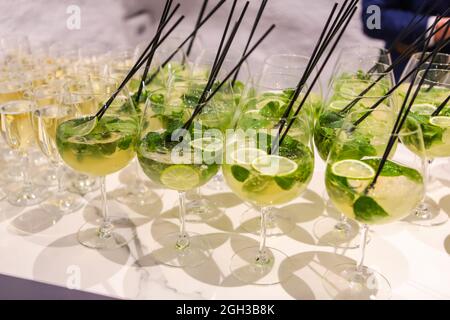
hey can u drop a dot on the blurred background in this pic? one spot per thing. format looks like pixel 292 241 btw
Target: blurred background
pixel 115 24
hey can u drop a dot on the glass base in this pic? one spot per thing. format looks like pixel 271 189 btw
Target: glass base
pixel 12 174
pixel 22 196
pixel 140 195
pixel 246 268
pixel 114 235
pixel 171 254
pixel 217 183
pixel 344 282
pixel 339 234
pixel 201 210
pixel 84 184
pixel 277 225
pixel 63 203
pixel 427 214
pixel 47 178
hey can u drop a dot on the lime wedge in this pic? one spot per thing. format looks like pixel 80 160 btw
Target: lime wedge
pixel 353 169
pixel 338 105
pixel 245 156
pixel 423 108
pixel 207 144
pixel 440 121
pixel 86 127
pixel 271 165
pixel 180 177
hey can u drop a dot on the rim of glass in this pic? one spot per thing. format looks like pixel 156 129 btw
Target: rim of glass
pixel 401 133
pixel 446 85
pixel 287 55
pixel 368 95
pixel 31 106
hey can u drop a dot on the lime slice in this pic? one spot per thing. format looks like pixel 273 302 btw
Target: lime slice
pixel 207 144
pixel 245 156
pixel 271 165
pixel 353 169
pixel 83 129
pixel 338 105
pixel 440 121
pixel 180 177
pixel 423 108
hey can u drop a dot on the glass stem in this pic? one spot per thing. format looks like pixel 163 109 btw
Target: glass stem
pixel 138 183
pixel 106 227
pixel 59 175
pixel 26 174
pixel 364 232
pixel 183 238
pixel 262 257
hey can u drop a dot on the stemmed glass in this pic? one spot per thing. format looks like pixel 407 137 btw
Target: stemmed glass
pixel 267 174
pixel 80 95
pixel 344 88
pixel 17 130
pixel 440 61
pixel 294 65
pixel 179 160
pixel 99 148
pixel 436 135
pixel 49 114
pixel 351 169
pixel 201 69
pixel 12 88
pixel 272 88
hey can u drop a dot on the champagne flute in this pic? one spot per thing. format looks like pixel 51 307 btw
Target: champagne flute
pixel 49 114
pixel 16 127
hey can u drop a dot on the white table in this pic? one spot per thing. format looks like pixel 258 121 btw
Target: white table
pixel 415 260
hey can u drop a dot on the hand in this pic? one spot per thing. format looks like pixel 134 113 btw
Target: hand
pixel 444 33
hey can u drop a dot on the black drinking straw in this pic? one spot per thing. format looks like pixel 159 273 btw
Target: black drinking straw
pixel 208 16
pixel 144 54
pixel 397 62
pixel 252 33
pixel 441 107
pixel 220 58
pixel 400 82
pixel 345 22
pixel 328 33
pixel 309 66
pixel 199 19
pixel 212 73
pixel 238 65
pixel 153 49
pixel 402 116
pixel 134 69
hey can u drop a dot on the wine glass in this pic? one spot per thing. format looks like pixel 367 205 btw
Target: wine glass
pixel 16 127
pixel 294 65
pixel 47 116
pixel 440 61
pixel 80 95
pixel 180 160
pixel 266 173
pixel 436 134
pixel 100 147
pixel 353 188
pixel 345 88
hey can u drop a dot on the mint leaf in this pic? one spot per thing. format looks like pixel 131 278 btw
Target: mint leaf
pixel 368 210
pixel 392 169
pixel 270 110
pixel 285 183
pixel 239 173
